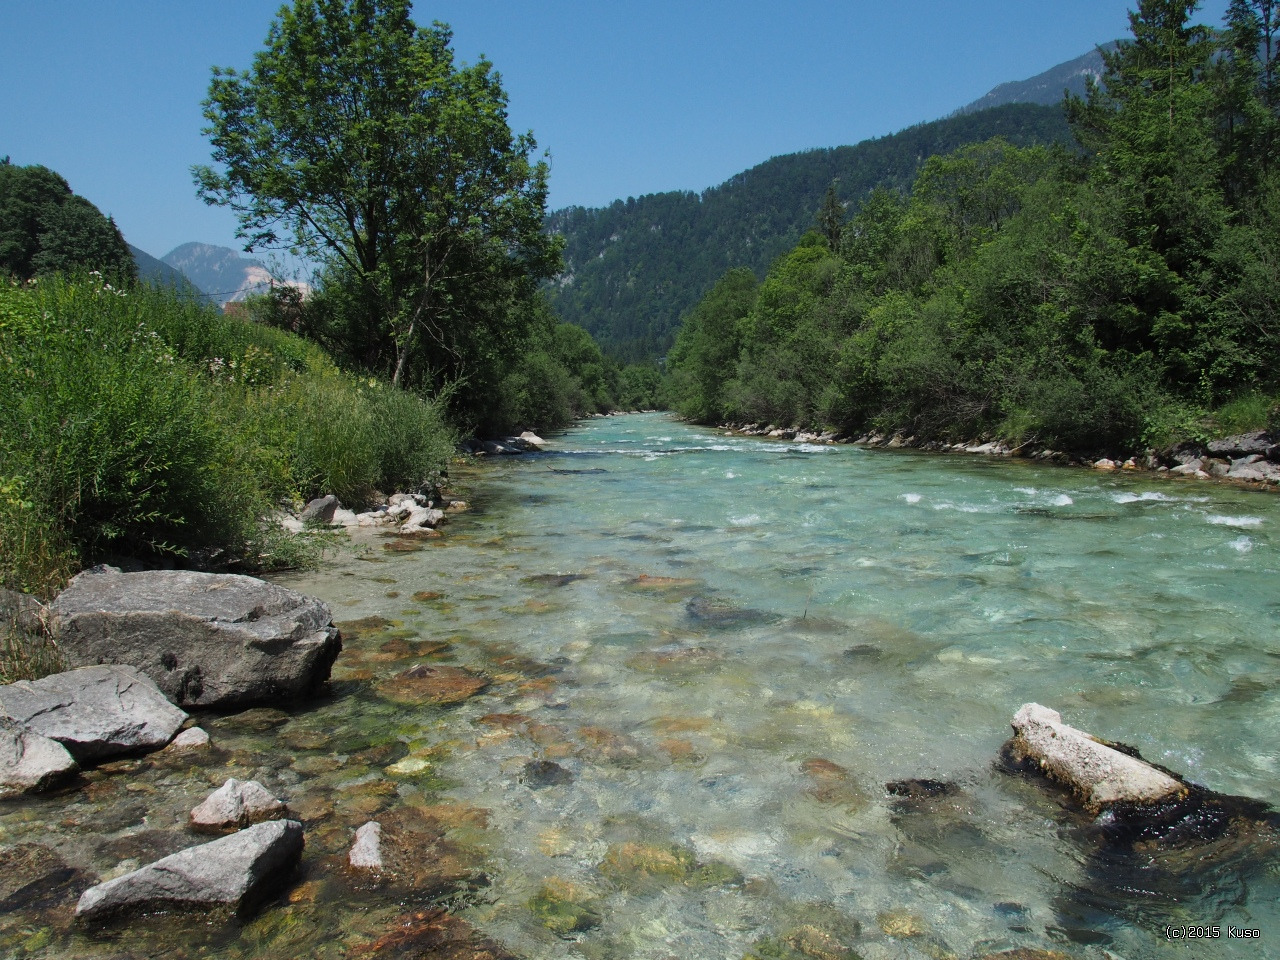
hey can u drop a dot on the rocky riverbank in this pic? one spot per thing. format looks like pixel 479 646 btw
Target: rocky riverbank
pixel 1249 459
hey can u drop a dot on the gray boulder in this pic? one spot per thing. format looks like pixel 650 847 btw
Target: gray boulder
pixel 94 712
pixel 1258 442
pixel 30 762
pixel 320 510
pixel 205 639
pixel 1100 775
pixel 238 871
pixel 235 805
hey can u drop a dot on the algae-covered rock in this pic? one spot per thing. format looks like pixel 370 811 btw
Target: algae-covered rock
pixel 564 907
pixel 641 866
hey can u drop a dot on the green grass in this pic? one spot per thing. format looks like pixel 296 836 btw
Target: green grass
pixel 139 422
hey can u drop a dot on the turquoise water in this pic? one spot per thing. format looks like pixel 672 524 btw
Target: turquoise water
pixel 707 657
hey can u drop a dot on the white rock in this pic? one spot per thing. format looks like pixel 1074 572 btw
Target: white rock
pixel 366 852
pixel 1099 774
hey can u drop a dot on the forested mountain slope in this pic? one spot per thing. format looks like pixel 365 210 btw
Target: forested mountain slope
pixel 632 269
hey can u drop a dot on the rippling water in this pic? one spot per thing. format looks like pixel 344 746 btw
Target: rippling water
pixel 709 655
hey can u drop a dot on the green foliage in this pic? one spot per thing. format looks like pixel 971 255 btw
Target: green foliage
pixel 46 229
pixel 1094 302
pixel 636 267
pixel 140 422
pixel 356 139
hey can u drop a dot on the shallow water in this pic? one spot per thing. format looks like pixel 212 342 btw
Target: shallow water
pixel 707 656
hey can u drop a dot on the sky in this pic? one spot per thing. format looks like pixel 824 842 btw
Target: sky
pixel 628 98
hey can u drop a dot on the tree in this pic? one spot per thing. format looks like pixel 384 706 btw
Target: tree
pixel 45 228
pixel 830 218
pixel 355 139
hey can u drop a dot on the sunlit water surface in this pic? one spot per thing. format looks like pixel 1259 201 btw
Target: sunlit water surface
pixel 683 622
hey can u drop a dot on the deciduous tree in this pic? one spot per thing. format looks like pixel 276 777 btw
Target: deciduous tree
pixel 357 140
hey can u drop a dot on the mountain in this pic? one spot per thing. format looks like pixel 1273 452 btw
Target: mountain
pixel 160 273
pixel 632 269
pixel 1048 87
pixel 220 272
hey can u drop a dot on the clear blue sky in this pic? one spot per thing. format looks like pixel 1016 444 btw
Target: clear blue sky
pixel 629 97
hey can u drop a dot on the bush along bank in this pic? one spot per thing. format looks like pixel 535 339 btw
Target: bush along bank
pixel 143 424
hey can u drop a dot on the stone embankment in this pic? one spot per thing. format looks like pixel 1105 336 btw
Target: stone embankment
pixel 1251 459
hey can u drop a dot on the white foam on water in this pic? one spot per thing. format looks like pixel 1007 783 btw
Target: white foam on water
pixel 1029 491
pixel 730 475
pixel 749 520
pixel 910 497
pixel 1243 522
pixel 1062 500
pixel 1241 544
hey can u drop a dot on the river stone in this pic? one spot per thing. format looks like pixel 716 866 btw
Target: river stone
pixel 192 740
pixel 1099 774
pixel 320 510
pixel 205 639
pixel 30 762
pixel 95 712
pixel 366 852
pixel 234 805
pixel 236 871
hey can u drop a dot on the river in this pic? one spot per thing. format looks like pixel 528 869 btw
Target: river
pixel 706 657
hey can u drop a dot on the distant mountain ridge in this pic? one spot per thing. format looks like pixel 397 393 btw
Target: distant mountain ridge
pixel 1047 88
pixel 220 272
pixel 158 272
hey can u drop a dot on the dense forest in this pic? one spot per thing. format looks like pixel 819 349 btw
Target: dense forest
pixel 633 268
pixel 1125 292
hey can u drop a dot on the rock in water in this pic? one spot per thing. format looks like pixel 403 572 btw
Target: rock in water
pixel 236 871
pixel 205 639
pixel 95 712
pixel 30 762
pixel 1099 774
pixel 366 852
pixel 235 805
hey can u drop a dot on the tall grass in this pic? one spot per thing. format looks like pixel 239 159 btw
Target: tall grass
pixel 143 423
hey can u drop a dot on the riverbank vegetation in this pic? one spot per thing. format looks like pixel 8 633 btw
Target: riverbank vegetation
pixel 1121 294
pixel 142 423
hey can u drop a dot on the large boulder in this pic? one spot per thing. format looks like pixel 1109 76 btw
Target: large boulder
pixel 30 762
pixel 1098 773
pixel 238 872
pixel 206 639
pixel 95 712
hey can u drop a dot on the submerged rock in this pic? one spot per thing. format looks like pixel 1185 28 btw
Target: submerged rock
pixel 94 712
pixel 366 851
pixel 1096 772
pixel 537 774
pixel 29 761
pixel 235 805
pixel 236 871
pixel 433 683
pixel 564 908
pixel 205 639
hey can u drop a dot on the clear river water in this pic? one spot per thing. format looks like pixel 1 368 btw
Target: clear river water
pixel 674 673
